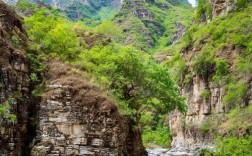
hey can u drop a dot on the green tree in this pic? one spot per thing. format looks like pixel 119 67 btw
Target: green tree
pixel 134 78
pixel 62 41
pixel 53 34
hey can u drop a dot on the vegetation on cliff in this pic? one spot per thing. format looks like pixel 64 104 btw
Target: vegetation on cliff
pixel 5 111
pixel 219 52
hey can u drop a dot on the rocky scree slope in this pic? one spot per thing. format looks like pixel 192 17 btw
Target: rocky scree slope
pixel 73 117
pixel 213 68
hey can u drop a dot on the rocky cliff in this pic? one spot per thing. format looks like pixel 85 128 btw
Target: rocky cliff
pixel 213 82
pixel 14 81
pixel 212 9
pixel 76 118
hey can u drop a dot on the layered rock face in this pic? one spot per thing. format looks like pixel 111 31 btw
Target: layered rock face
pixel 187 129
pixel 14 81
pixel 76 118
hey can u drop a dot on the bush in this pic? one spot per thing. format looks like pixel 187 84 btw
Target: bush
pixel 235 94
pixel 188 78
pixel 203 64
pixel 178 66
pixel 204 8
pixel 206 126
pixel 241 3
pixel 206 152
pixel 222 70
pixel 5 111
pixel 159 135
pixel 205 94
pixel 234 146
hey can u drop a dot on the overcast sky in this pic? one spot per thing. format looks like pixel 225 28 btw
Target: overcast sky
pixel 193 2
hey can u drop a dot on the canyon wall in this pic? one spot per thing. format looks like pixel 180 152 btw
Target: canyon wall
pixel 207 113
pixel 188 129
pixel 14 81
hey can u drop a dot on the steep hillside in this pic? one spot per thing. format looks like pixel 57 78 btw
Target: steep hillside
pixel 89 9
pixel 212 64
pixel 154 23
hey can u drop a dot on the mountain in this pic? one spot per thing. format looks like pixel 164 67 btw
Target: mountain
pixel 153 23
pixel 79 9
pixel 147 25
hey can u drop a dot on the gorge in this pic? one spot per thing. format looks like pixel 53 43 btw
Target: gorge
pixel 132 77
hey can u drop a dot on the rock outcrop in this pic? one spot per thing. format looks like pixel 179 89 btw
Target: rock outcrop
pixel 180 32
pixel 14 81
pixel 188 130
pixel 76 118
pixel 221 7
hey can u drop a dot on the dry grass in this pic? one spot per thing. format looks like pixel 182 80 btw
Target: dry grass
pixel 82 91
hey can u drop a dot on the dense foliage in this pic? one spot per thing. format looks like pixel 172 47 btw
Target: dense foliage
pixel 234 146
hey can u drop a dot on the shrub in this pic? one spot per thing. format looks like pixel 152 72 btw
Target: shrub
pixel 159 135
pixel 235 94
pixel 244 63
pixel 204 8
pixel 222 70
pixel 206 152
pixel 188 78
pixel 205 127
pixel 205 94
pixel 241 3
pixel 234 146
pixel 203 64
pixel 5 111
pixel 177 65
